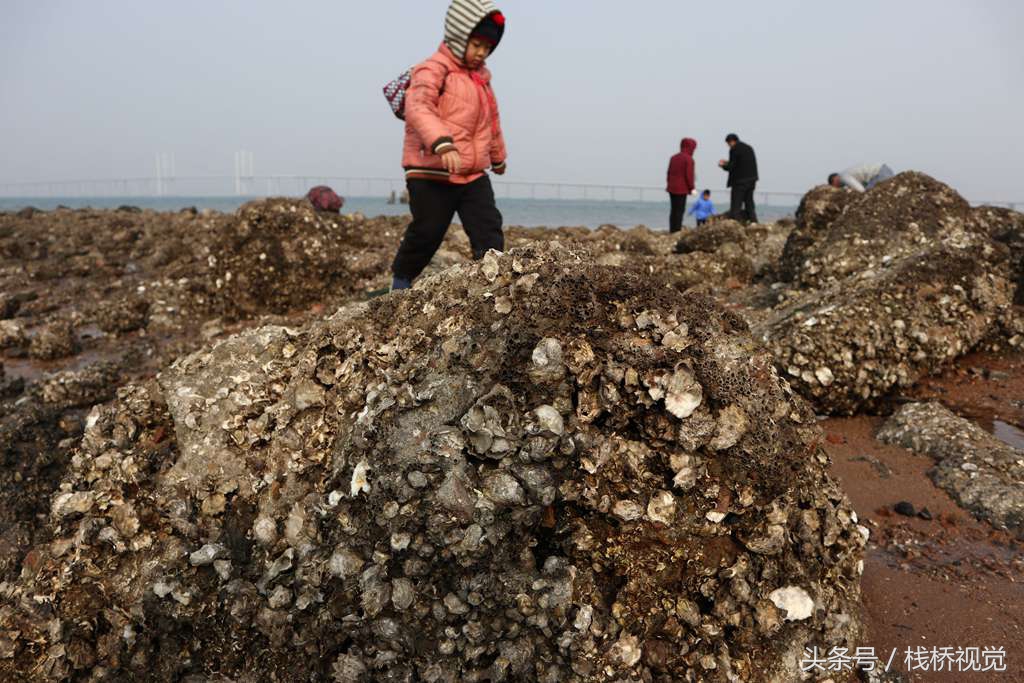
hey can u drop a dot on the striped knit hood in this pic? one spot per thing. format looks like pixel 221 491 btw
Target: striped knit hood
pixel 464 16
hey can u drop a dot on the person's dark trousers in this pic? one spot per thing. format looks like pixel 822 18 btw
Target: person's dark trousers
pixel 701 221
pixel 433 204
pixel 675 216
pixel 741 204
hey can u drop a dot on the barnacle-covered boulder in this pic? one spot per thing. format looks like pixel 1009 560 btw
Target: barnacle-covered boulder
pixel 1007 227
pixel 38 430
pixel 846 235
pixel 896 283
pixel 979 471
pixel 746 251
pixel 279 255
pixel 122 315
pixel 818 209
pixel 846 346
pixel 54 340
pixel 529 468
pixel 710 237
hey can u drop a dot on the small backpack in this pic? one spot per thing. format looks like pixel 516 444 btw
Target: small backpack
pixel 394 92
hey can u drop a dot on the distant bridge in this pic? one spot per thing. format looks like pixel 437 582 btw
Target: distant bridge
pixel 164 185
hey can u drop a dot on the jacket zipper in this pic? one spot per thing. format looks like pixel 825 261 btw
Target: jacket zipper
pixel 482 99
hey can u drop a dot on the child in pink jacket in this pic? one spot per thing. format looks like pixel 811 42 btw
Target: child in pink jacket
pixel 452 137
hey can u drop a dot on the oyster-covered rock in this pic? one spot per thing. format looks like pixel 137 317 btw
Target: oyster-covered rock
pixel 730 251
pixel 818 209
pixel 980 472
pixel 123 314
pixel 846 346
pixel 427 516
pixel 55 340
pixel 1007 227
pixel 282 254
pixel 844 233
pixel 12 334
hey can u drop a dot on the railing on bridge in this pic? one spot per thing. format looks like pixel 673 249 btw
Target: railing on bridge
pixel 297 185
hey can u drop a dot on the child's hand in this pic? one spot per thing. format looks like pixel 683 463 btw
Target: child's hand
pixel 452 161
pixel 499 170
pixel 693 193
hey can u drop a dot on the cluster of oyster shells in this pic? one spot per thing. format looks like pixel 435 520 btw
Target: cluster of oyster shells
pixel 529 468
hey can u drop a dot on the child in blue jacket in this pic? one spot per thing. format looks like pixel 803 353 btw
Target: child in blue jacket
pixel 703 208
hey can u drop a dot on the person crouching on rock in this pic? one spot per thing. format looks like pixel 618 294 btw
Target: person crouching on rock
pixel 861 178
pixel 452 136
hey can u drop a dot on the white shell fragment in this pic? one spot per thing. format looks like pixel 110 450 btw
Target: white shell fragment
pixel 825 376
pixel 360 482
pixel 207 554
pixel 627 650
pixel 549 420
pixel 662 507
pixel 70 503
pixel 683 394
pixel 344 563
pixel 795 601
pixel 627 510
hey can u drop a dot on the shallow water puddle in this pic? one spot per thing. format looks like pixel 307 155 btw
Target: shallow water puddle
pixel 33 370
pixel 1007 433
pixel 28 370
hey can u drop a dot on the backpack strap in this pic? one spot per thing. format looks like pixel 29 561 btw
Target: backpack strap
pixel 447 73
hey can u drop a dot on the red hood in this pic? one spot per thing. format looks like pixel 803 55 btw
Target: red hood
pixel 688 145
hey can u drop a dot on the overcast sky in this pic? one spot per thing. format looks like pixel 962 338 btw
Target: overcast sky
pixel 594 91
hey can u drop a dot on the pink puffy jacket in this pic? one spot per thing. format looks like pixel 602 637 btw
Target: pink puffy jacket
pixel 448 106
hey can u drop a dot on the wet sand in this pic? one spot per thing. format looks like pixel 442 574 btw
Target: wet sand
pixel 951 581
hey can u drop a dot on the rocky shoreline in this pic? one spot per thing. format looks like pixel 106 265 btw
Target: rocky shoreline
pixel 598 456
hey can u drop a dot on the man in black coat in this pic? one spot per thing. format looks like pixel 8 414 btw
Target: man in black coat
pixel 742 168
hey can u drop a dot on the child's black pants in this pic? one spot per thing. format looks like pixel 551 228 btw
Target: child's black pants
pixel 434 204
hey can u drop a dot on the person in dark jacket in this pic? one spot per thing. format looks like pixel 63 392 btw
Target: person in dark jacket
pixel 682 181
pixel 742 168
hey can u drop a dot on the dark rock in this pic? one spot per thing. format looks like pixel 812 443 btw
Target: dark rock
pixel 10 386
pixel 9 305
pixel 904 508
pixel 709 238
